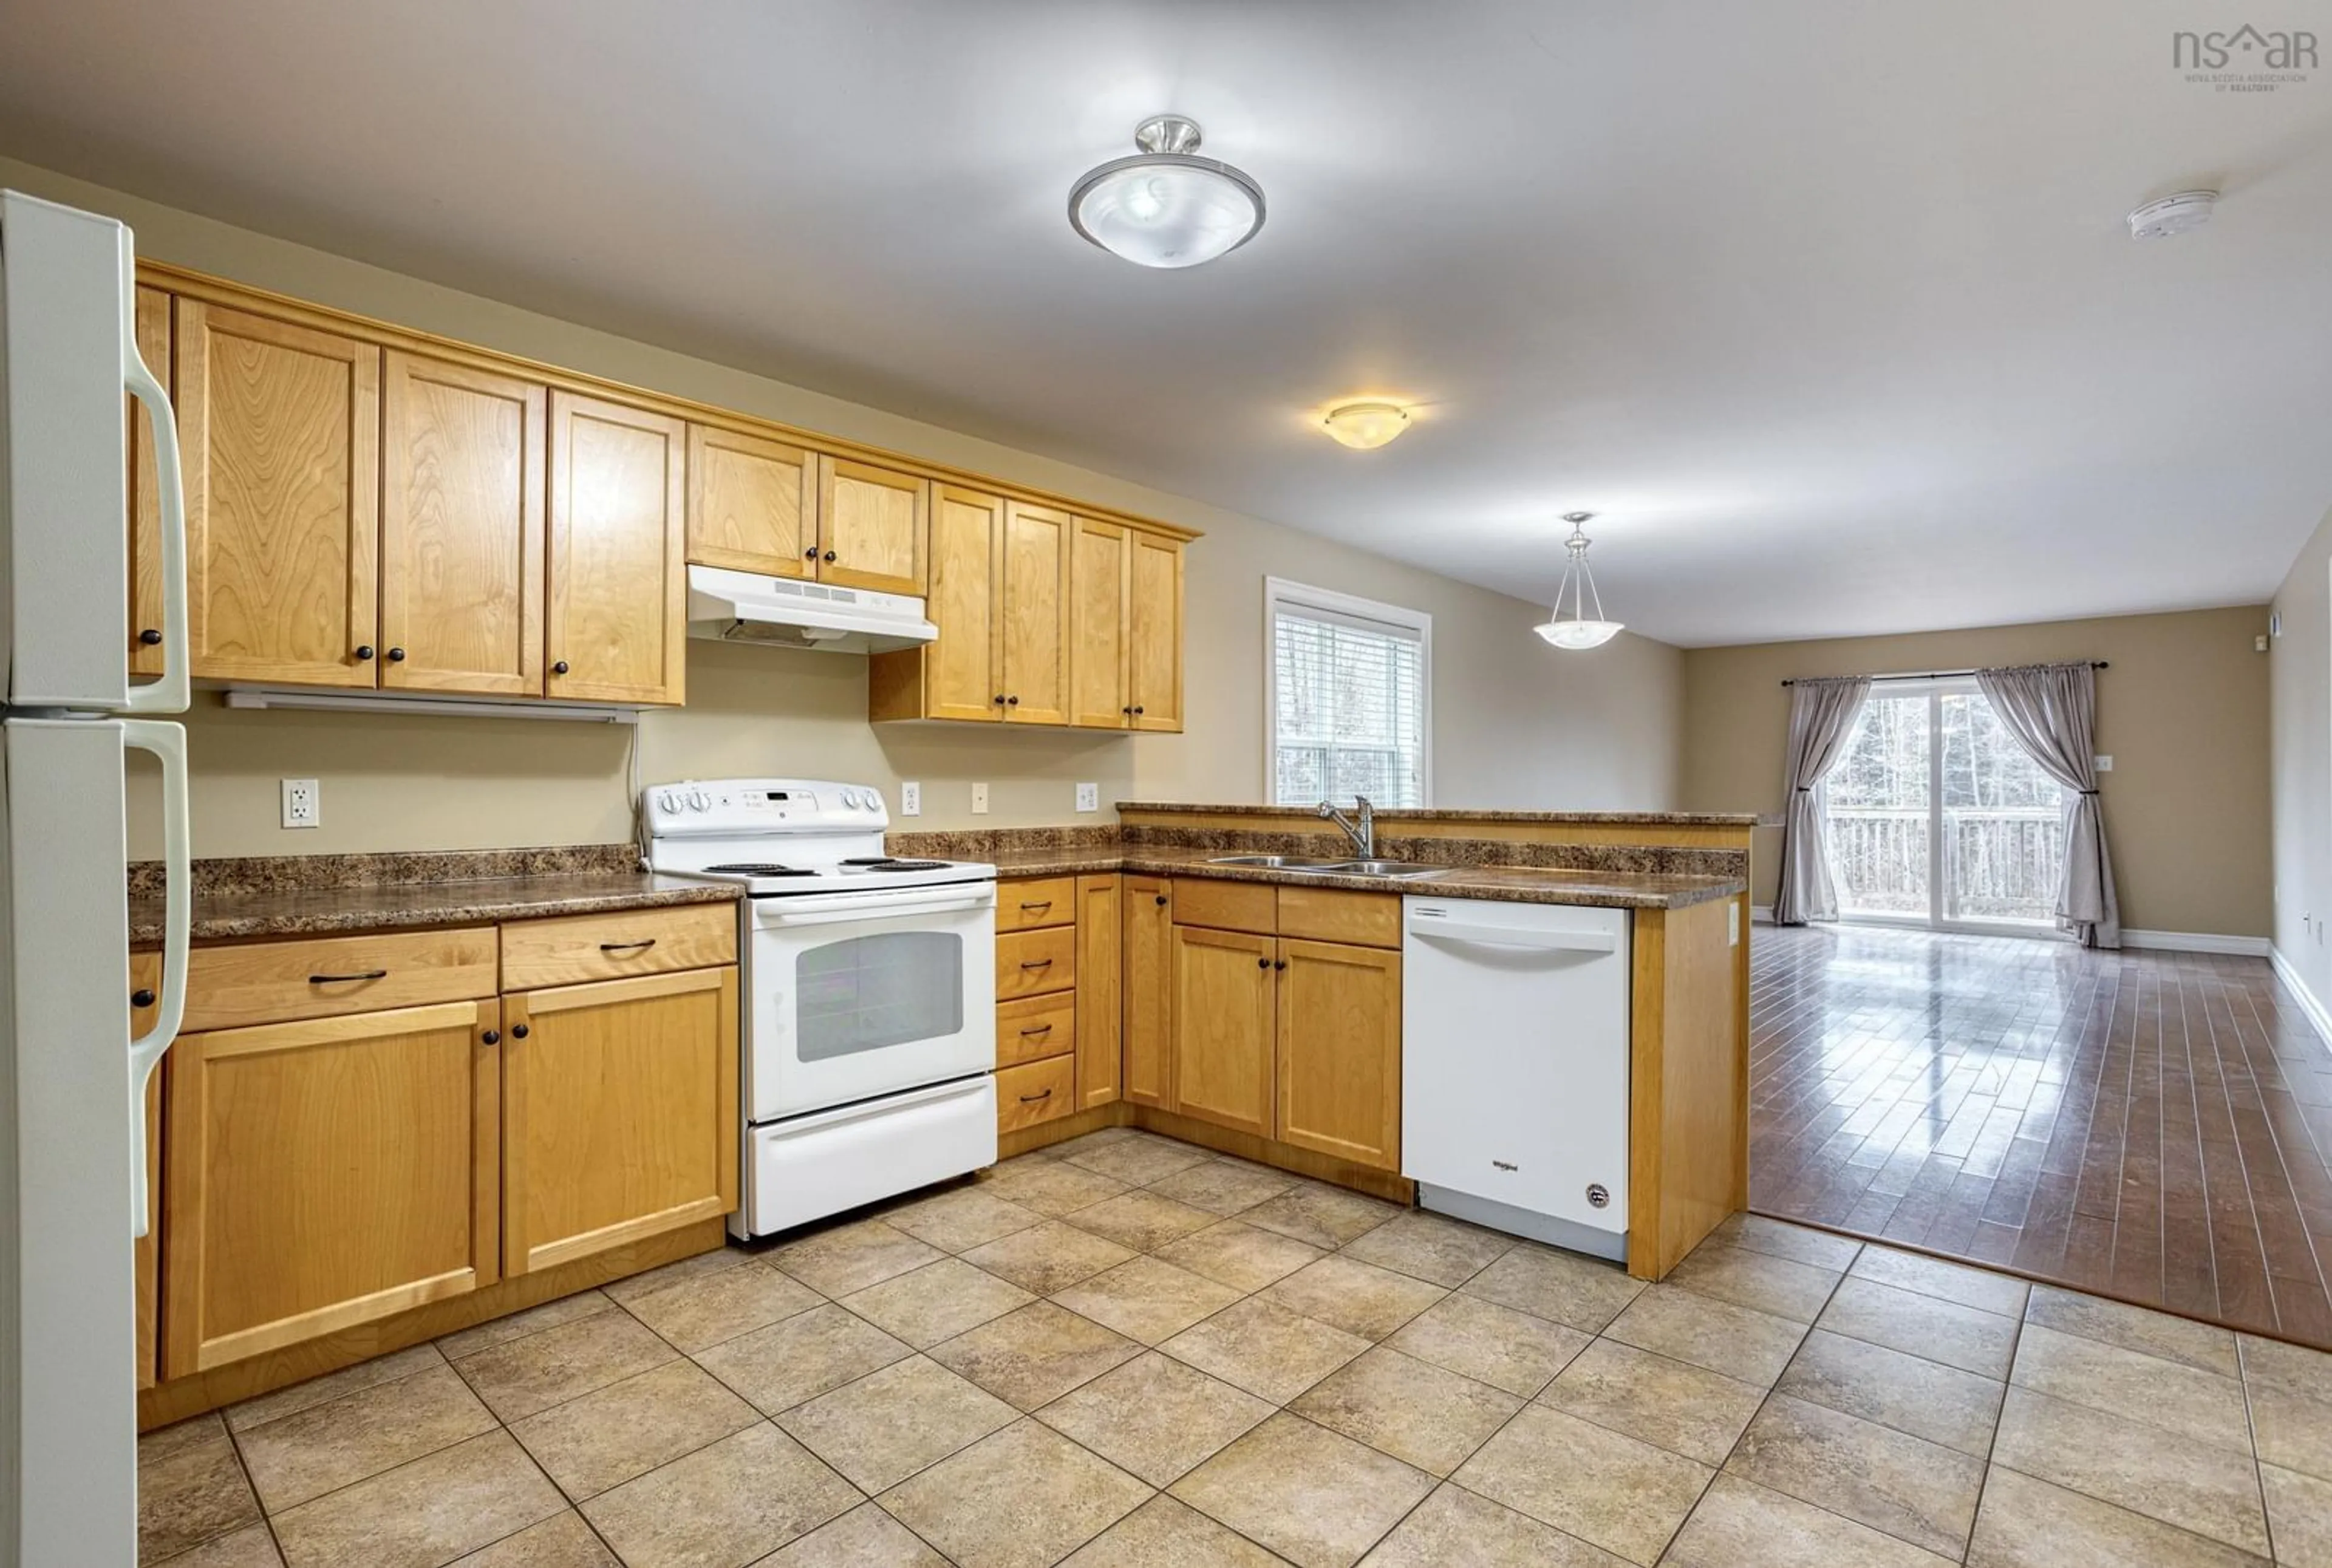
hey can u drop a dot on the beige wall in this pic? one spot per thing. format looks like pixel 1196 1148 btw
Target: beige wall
pixel 2300 663
pixel 2182 712
pixel 1515 723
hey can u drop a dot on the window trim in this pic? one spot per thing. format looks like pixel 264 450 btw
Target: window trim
pixel 1278 591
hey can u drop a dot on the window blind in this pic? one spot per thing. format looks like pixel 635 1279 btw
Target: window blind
pixel 1349 708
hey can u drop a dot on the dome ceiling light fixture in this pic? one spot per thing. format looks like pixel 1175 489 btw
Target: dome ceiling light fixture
pixel 1165 207
pixel 1576 630
pixel 1362 425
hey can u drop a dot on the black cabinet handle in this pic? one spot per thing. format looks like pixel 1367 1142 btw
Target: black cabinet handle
pixel 1161 901
pixel 829 555
pixel 1039 963
pixel 1128 711
pixel 141 998
pixel 334 980
pixel 364 652
pixel 1032 1099
pixel 1281 964
pixel 1040 1029
pixel 1137 710
pixel 519 1031
pixel 999 699
pixel 1262 963
pixel 151 636
pixel 396 656
pixel 559 669
pixel 1014 702
pixel 810 554
pixel 491 1037
pixel 640 946
pixel 1032 908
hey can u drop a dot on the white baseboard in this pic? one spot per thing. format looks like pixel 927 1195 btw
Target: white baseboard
pixel 2309 1003
pixel 2198 941
pixel 1761 914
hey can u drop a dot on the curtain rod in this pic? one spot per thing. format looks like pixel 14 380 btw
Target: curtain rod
pixel 1936 674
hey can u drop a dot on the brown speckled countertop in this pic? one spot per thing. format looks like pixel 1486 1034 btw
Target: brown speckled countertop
pixel 316 895
pixel 1439 814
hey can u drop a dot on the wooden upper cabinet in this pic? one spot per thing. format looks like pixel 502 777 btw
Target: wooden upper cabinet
pixel 1033 615
pixel 1146 960
pixel 1223 1026
pixel 461 529
pixel 871 526
pixel 324 1174
pixel 145 508
pixel 753 503
pixel 1340 1051
pixel 280 427
pixel 959 669
pixel 1101 557
pixel 618 572
pixel 1155 633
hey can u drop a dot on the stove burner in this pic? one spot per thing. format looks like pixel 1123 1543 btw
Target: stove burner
pixel 886 863
pixel 760 868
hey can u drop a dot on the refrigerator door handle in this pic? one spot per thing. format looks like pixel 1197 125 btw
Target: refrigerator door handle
pixel 167 694
pixel 168 742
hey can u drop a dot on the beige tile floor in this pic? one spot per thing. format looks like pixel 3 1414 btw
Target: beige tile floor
pixel 1125 1352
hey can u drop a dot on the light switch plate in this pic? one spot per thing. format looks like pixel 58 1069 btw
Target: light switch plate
pixel 1088 796
pixel 911 799
pixel 2105 764
pixel 1733 926
pixel 979 800
pixel 304 803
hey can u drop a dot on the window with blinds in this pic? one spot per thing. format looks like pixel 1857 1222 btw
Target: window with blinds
pixel 1349 693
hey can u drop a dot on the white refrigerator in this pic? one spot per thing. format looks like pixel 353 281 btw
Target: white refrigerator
pixel 72 1081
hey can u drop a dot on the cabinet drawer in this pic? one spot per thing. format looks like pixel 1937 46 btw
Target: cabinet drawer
pixel 1335 914
pixel 1031 963
pixel 1035 1027
pixel 271 982
pixel 1038 901
pixel 595 947
pixel 1227 905
pixel 1035 1092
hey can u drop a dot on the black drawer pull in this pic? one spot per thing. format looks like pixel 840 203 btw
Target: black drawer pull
pixel 141 998
pixel 1040 1029
pixel 1262 963
pixel 491 1037
pixel 1032 1099
pixel 518 1031
pixel 1039 963
pixel 334 980
pixel 151 637
pixel 640 946
pixel 1032 908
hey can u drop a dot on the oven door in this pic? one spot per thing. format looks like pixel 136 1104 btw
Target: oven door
pixel 858 994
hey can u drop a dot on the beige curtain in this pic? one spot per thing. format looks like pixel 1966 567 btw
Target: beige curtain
pixel 1822 717
pixel 2052 711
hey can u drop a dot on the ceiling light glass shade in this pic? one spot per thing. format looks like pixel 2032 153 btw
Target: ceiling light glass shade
pixel 1164 207
pixel 1366 424
pixel 1578 629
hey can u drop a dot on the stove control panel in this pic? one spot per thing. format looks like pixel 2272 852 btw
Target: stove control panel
pixel 758 805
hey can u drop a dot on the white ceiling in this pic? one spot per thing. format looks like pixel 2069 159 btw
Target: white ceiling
pixel 1827 306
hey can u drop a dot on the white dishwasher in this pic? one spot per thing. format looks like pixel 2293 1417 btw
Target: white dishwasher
pixel 1514 1067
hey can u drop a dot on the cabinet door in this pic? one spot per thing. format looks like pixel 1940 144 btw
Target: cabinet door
pixel 461 529
pixel 280 431
pixel 960 676
pixel 1155 633
pixel 1101 557
pixel 1147 965
pixel 1101 1001
pixel 1223 1023
pixel 753 503
pixel 1035 618
pixel 326 1174
pixel 618 572
pixel 145 509
pixel 619 1112
pixel 1340 1051
pixel 870 526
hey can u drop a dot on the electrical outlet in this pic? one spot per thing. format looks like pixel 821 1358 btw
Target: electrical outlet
pixel 1088 796
pixel 304 803
pixel 911 799
pixel 979 800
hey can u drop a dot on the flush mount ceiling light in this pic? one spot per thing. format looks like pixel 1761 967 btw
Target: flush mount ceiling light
pixel 1164 207
pixel 1576 630
pixel 2173 214
pixel 1365 425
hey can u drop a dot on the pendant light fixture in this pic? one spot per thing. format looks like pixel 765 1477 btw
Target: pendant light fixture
pixel 1575 630
pixel 1165 207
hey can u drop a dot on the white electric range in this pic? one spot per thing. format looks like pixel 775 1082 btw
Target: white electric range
pixel 869 986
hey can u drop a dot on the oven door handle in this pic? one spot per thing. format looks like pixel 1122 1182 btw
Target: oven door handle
pixel 858 908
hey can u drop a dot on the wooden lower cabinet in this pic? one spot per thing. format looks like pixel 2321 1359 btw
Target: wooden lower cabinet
pixel 1223 1024
pixel 1101 1008
pixel 619 1112
pixel 1146 974
pixel 1340 1051
pixel 1035 1092
pixel 326 1174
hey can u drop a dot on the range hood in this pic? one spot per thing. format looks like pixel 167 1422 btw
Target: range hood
pixel 745 607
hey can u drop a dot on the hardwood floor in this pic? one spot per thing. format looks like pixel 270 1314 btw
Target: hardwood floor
pixel 2153 1126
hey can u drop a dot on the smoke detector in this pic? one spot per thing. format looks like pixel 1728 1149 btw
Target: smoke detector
pixel 2173 214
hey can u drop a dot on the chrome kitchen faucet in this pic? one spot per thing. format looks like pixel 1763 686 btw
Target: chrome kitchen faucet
pixel 1363 832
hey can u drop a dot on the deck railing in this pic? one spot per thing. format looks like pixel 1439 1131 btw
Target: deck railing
pixel 2002 862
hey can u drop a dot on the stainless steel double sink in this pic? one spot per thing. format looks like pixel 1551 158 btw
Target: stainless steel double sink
pixel 1392 870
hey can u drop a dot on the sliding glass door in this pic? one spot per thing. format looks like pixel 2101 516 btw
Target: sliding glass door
pixel 1936 816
